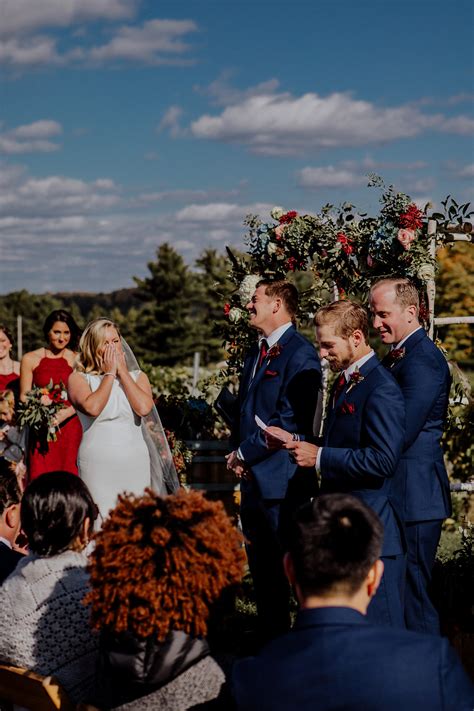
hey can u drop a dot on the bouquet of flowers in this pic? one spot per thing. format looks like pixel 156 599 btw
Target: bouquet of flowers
pixel 40 410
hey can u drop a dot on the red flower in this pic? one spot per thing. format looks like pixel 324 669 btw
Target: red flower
pixel 411 219
pixel 346 243
pixel 347 408
pixel 226 309
pixel 287 217
pixel 291 264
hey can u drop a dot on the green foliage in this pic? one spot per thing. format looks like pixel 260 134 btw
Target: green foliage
pixel 165 332
pixel 453 580
pixel 455 297
pixel 457 440
pixel 34 309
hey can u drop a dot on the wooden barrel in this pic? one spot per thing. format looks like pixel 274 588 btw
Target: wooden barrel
pixel 208 472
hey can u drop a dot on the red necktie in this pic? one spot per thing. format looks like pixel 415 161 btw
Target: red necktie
pixel 263 353
pixel 339 386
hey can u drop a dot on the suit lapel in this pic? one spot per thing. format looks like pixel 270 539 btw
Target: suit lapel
pixel 365 370
pixel 252 384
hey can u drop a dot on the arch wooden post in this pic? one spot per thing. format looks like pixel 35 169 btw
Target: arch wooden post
pixel 431 284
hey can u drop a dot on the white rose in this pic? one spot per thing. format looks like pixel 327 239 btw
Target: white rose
pixel 235 314
pixel 277 212
pixel 247 288
pixel 426 272
pixel 271 248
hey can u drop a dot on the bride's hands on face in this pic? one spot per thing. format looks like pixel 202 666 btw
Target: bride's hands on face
pixel 121 364
pixel 109 358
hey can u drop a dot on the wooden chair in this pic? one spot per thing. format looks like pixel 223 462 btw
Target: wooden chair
pixel 32 691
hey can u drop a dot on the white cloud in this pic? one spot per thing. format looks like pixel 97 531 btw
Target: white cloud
pixel 329 176
pixel 281 124
pixel 222 93
pixel 155 42
pixel 170 121
pixel 26 16
pixel 30 138
pixel 220 212
pixel 467 171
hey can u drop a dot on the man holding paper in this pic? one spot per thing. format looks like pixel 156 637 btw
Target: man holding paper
pixel 280 382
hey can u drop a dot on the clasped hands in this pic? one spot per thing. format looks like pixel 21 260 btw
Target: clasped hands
pixel 237 465
pixel 304 453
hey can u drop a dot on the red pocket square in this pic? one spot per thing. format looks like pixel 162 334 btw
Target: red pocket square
pixel 271 373
pixel 347 408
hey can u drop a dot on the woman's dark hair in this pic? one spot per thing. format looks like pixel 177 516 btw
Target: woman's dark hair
pixel 64 317
pixel 53 510
pixel 7 333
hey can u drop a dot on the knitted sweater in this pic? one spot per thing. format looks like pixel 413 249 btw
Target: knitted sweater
pixel 44 626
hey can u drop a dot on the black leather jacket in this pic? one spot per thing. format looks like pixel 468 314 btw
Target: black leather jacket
pixel 130 667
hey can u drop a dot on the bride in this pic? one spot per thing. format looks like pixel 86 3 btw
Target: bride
pixel 124 447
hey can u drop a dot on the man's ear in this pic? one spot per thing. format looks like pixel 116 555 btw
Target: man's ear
pixel 411 311
pixel 357 337
pixel 277 304
pixel 12 516
pixel 374 576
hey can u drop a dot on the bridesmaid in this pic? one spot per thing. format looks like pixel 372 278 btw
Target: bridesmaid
pixel 54 362
pixel 9 368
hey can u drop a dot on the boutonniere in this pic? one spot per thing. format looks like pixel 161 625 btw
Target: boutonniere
pixel 273 352
pixel 394 356
pixel 271 373
pixel 355 378
pixel 347 408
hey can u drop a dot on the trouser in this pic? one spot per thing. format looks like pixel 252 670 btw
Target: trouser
pixel 265 525
pixel 422 542
pixel 387 606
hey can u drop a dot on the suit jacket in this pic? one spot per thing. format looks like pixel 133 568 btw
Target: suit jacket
pixel 8 561
pixel 334 659
pixel 283 393
pixel 424 378
pixel 363 441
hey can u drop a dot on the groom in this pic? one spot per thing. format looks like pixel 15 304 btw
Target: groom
pixel 280 383
pixel 363 439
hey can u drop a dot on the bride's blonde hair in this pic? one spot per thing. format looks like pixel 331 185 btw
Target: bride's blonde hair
pixel 88 359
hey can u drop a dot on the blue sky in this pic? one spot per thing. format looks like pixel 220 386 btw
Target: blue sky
pixel 128 123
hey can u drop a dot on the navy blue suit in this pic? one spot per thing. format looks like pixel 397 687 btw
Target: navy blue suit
pixel 360 455
pixel 424 378
pixel 8 561
pixel 283 392
pixel 334 659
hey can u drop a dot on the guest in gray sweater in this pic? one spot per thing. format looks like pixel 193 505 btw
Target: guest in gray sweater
pixel 44 625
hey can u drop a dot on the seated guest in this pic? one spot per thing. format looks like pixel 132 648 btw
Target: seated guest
pixel 10 496
pixel 158 565
pixel 333 658
pixel 44 625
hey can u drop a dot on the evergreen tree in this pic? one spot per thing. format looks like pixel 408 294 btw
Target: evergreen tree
pixel 164 332
pixel 213 289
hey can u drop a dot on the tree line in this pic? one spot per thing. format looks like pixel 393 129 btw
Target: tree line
pixel 177 309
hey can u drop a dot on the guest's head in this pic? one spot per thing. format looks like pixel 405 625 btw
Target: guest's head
pixel 333 554
pixel 6 342
pixel 7 406
pixel 10 498
pixel 61 331
pixel 395 306
pixel 57 513
pixel 160 563
pixel 97 335
pixel 342 332
pixel 273 303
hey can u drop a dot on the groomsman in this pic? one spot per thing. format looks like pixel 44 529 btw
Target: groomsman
pixel 280 383
pixel 362 441
pixel 423 375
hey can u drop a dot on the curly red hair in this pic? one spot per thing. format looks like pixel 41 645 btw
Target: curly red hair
pixel 160 562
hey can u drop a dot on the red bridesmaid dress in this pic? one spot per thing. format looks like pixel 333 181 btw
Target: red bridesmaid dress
pixel 60 455
pixel 7 380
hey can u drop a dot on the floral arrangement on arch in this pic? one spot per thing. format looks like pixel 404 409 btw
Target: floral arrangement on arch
pixel 338 252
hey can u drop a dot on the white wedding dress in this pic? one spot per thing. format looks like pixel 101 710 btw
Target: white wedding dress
pixel 113 456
